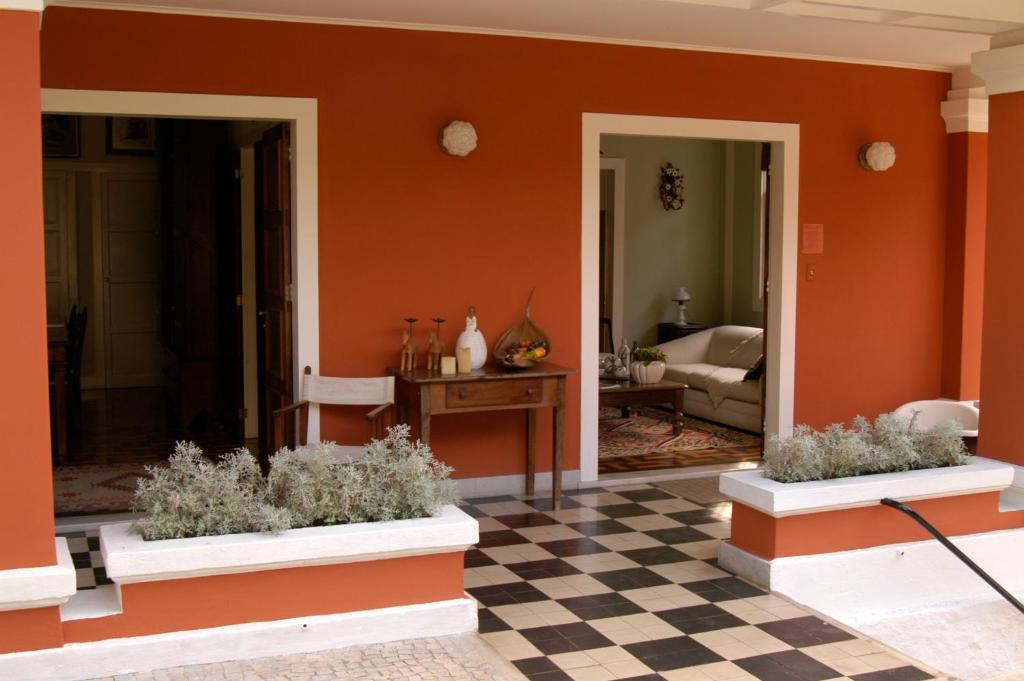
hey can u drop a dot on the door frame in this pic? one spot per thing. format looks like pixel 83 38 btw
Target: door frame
pixel 618 168
pixel 782 267
pixel 301 114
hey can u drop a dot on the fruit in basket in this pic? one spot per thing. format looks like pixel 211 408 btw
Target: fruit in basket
pixel 524 344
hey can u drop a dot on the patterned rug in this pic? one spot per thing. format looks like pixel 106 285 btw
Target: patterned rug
pixel 95 488
pixel 649 430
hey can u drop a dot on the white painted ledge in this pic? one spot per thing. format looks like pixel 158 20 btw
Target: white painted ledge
pixel 128 558
pixel 779 499
pixel 39 587
pixel 112 657
pixel 22 5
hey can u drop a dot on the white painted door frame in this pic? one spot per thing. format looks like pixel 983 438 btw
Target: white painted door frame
pixel 618 168
pixel 301 113
pixel 781 331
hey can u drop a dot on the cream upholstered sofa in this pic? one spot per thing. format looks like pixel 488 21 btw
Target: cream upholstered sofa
pixel 715 364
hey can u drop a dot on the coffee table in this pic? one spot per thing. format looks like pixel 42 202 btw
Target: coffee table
pixel 628 394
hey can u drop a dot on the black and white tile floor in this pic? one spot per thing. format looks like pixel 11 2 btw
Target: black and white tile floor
pixel 86 556
pixel 623 584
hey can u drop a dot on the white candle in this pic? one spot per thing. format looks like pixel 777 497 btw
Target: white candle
pixel 464 361
pixel 447 366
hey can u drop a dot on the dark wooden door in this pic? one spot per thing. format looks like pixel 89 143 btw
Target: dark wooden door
pixel 274 278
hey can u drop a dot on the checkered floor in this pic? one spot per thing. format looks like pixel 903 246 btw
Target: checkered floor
pixel 624 584
pixel 85 553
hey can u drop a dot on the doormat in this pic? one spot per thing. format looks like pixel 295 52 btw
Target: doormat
pixel 96 488
pixel 698 490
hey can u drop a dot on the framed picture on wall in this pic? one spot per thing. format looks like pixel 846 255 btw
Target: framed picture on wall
pixel 60 136
pixel 129 135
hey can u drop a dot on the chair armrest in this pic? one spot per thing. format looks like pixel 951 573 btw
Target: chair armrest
pixel 380 418
pixel 291 407
pixel 278 432
pixel 690 349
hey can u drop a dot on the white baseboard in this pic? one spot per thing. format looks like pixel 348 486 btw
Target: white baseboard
pixel 470 488
pixel 78 661
pixel 748 566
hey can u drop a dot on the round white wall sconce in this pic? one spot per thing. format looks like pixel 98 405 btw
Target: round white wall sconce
pixel 458 138
pixel 877 156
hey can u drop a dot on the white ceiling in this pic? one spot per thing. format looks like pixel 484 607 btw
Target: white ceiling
pixel 934 34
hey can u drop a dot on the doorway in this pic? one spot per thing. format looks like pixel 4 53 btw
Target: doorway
pixel 779 336
pixel 298 179
pixel 687 280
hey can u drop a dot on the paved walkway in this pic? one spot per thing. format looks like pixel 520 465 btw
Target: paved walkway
pixel 459 658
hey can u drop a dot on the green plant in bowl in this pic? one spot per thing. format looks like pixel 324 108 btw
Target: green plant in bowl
pixel 648 354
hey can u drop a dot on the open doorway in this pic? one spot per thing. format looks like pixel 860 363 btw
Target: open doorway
pixel 686 279
pixel 169 272
pixel 780 208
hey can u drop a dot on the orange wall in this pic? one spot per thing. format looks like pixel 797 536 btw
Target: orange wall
pixel 33 629
pixel 26 497
pixel 858 528
pixel 965 265
pixel 202 602
pixel 395 211
pixel 1002 369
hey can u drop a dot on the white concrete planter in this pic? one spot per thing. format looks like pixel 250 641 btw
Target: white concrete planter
pixel 129 558
pixel 779 499
pixel 651 372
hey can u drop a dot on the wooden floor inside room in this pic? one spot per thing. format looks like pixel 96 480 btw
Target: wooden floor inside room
pixel 657 461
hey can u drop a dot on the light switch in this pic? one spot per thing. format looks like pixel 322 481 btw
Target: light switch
pixel 812 271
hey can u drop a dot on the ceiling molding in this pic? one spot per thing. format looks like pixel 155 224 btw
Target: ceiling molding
pixel 1002 69
pixel 472 30
pixel 22 5
pixel 965 115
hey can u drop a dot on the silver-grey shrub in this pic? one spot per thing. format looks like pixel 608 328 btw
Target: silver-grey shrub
pixel 397 479
pixel 192 496
pixel 891 443
pixel 195 497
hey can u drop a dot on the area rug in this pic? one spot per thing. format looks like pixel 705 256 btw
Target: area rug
pixel 100 488
pixel 649 430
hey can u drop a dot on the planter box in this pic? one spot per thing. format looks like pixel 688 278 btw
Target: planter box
pixel 129 558
pixel 829 545
pixel 779 499
pixel 202 583
pixel 773 520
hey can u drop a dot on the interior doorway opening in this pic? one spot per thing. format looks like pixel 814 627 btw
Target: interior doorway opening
pixel 173 239
pixel 780 205
pixel 687 279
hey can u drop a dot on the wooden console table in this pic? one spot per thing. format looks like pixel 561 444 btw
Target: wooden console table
pixel 428 394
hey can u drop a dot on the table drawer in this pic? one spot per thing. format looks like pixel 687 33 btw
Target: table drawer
pixel 494 393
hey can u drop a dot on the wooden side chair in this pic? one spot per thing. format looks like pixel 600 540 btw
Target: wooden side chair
pixel 377 392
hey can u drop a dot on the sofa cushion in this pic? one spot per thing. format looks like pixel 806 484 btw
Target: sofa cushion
pixel 699 375
pixel 728 381
pixel 736 346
